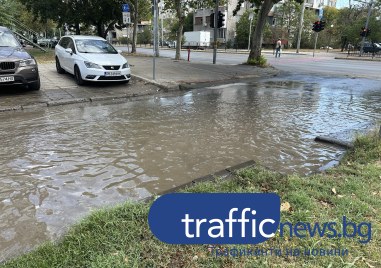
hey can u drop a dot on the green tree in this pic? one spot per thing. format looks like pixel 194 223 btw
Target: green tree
pixel 145 37
pixel 243 30
pixel 350 21
pixel 188 23
pixel 263 8
pixel 181 8
pixel 140 10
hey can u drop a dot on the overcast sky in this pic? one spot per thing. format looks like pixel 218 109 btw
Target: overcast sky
pixel 342 3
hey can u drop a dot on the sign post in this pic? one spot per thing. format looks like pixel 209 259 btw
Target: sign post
pixel 126 20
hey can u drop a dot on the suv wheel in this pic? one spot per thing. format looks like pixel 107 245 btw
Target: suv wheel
pixel 58 67
pixel 78 76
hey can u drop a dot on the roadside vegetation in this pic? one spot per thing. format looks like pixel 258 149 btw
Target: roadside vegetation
pixel 41 56
pixel 120 236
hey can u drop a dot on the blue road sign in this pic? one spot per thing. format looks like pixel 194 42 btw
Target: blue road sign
pixel 125 8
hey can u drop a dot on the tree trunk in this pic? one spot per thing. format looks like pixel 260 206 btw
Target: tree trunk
pixel 77 28
pixel 181 17
pixel 135 31
pixel 100 29
pixel 257 38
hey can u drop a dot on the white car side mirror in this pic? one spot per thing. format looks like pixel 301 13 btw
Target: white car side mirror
pixel 119 51
pixel 69 50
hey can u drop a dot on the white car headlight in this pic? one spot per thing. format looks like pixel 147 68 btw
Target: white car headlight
pixel 29 62
pixel 92 65
pixel 126 65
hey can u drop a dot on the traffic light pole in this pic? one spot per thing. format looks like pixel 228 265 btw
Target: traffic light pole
pixel 316 38
pixel 215 32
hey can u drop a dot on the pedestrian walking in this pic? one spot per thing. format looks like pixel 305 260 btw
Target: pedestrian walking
pixel 278 47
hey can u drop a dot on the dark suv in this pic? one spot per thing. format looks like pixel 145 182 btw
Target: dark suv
pixel 371 47
pixel 17 67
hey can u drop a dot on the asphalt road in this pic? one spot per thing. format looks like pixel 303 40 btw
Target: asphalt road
pixel 322 64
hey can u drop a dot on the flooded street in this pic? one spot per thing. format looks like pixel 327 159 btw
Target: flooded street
pixel 57 164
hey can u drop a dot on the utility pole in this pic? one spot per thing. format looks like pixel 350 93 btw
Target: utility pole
pixel 156 33
pixel 300 26
pixel 162 24
pixel 155 46
pixel 215 31
pixel 366 26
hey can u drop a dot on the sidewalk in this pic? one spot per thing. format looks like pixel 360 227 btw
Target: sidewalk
pixel 57 89
pixel 170 73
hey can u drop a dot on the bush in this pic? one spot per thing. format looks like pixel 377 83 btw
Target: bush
pixel 229 44
pixel 261 61
pixel 123 40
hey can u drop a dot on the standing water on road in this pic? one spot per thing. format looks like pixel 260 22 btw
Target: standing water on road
pixel 58 163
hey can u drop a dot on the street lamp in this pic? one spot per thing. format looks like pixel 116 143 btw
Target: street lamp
pixel 251 17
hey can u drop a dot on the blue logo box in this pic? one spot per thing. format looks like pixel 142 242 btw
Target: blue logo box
pixel 215 218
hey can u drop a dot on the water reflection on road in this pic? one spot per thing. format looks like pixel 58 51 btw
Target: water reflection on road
pixel 58 163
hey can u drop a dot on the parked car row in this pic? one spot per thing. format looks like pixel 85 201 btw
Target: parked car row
pixel 47 42
pixel 371 47
pixel 88 58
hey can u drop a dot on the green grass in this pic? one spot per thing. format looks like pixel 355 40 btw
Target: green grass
pixel 120 236
pixel 41 56
pixel 261 61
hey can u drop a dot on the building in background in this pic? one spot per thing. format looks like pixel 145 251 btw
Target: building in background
pixel 201 20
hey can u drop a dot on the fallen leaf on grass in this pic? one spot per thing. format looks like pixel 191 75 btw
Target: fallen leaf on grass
pixel 334 191
pixel 285 206
pixel 340 196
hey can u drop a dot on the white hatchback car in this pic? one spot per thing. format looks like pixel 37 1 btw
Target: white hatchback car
pixel 90 58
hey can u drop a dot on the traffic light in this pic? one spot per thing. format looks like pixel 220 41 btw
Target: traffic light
pixel 363 31
pixel 316 26
pixel 212 20
pixel 322 24
pixel 221 19
pixel 367 32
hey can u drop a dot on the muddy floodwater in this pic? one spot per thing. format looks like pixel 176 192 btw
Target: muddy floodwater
pixel 58 163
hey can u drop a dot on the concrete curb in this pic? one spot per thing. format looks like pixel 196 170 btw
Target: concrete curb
pixel 161 86
pixel 334 141
pixel 8 109
pixel 69 101
pixel 359 59
pixel 237 79
pixel 34 106
pixel 227 173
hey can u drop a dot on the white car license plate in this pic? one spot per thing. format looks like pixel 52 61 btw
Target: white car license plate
pixel 7 79
pixel 112 73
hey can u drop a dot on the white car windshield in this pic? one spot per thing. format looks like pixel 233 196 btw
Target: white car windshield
pixel 8 40
pixel 94 46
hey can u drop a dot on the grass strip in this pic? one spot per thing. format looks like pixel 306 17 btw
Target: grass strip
pixel 120 236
